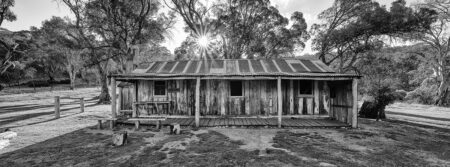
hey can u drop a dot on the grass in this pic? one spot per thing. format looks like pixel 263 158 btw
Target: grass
pixel 375 144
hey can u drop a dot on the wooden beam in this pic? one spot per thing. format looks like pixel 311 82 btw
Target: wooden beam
pixel 208 97
pixel 57 107
pixel 184 77
pixel 114 98
pixel 197 103
pixel 247 97
pixel 280 101
pixel 133 103
pixel 119 105
pixel 291 97
pixel 355 103
pixel 223 98
pixel 316 97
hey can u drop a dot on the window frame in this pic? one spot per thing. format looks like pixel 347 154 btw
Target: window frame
pixel 165 88
pixel 242 88
pixel 300 88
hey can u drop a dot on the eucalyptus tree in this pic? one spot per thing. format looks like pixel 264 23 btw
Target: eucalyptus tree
pixel 435 48
pixel 350 28
pixel 113 29
pixel 128 26
pixel 236 29
pixel 11 43
pixel 55 40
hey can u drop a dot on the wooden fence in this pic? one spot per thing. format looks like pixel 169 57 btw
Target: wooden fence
pixel 58 105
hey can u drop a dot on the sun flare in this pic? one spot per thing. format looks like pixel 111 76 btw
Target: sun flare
pixel 203 41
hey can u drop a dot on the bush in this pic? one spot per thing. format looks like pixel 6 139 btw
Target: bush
pixel 400 95
pixel 375 108
pixel 425 94
pixel 38 84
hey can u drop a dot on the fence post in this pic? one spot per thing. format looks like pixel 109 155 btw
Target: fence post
pixel 57 109
pixel 82 104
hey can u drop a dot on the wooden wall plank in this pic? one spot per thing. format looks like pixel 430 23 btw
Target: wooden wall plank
pixel 300 105
pixel 280 102
pixel 309 105
pixel 355 103
pixel 208 98
pixel 197 103
pixel 291 97
pixel 247 97
pixel 316 97
pixel 223 97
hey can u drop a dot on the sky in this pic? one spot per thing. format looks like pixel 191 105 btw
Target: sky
pixel 33 12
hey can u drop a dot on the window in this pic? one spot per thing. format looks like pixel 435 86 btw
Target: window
pixel 160 88
pixel 235 88
pixel 306 87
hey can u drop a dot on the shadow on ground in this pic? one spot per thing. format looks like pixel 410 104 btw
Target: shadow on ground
pixel 376 144
pixel 17 118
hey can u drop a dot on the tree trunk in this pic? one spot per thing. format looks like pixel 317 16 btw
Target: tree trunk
pixel 443 90
pixel 72 81
pixel 129 66
pixel 104 97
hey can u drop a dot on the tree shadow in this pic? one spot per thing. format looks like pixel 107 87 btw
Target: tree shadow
pixel 418 116
pixel 12 119
pixel 83 147
pixel 17 108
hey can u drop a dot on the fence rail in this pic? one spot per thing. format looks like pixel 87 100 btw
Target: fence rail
pixel 58 104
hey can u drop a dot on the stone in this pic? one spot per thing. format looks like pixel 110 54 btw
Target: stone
pixel 120 138
pixel 175 128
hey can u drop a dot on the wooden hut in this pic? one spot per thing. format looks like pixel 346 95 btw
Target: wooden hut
pixel 263 88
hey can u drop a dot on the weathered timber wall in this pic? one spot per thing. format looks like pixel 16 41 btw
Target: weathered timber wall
pixel 126 98
pixel 259 98
pixel 342 101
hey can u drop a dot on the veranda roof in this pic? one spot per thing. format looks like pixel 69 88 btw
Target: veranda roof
pixel 283 67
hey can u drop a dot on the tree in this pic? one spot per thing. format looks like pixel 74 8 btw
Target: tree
pixel 377 84
pixel 353 27
pixel 238 29
pixel 127 25
pixel 436 52
pixel 111 29
pixel 86 39
pixel 5 11
pixel 55 36
pixel 12 44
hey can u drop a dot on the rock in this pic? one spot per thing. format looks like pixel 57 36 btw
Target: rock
pixel 119 138
pixel 7 135
pixel 324 164
pixel 175 128
pixel 3 143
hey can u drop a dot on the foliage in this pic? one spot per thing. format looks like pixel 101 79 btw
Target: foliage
pixel 124 25
pixel 436 46
pixel 240 29
pixel 375 108
pixel 115 30
pixel 353 27
pixel 425 94
pixel 5 11
pixel 383 73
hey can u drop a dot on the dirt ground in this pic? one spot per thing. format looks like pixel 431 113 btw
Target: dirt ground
pixel 374 144
pixel 405 139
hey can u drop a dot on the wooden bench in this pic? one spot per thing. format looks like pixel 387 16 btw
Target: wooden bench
pixel 148 118
pixel 112 122
pixel 126 113
pixel 154 103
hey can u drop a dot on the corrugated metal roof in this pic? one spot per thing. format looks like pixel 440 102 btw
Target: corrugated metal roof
pixel 242 67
